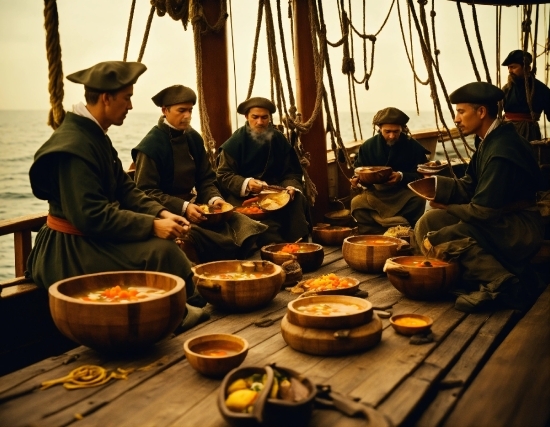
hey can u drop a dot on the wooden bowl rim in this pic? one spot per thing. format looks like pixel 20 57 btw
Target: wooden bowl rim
pixel 276 272
pixel 54 291
pixel 423 258
pixel 371 169
pixel 412 186
pixel 317 247
pixel 215 337
pixel 397 240
pixel 411 329
pixel 331 298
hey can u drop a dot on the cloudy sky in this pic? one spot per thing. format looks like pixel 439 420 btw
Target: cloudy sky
pixel 94 31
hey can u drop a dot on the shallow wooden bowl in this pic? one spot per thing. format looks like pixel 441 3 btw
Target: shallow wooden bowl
pixel 424 187
pixel 238 294
pixel 373 174
pixel 310 257
pixel 410 324
pixel 117 327
pixel 353 287
pixel 216 217
pixel 196 352
pixel 297 317
pixel 269 411
pixel 342 217
pixel 273 201
pixel 330 235
pixel 407 275
pixel 368 253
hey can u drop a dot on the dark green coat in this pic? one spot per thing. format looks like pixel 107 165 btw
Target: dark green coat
pixel 78 171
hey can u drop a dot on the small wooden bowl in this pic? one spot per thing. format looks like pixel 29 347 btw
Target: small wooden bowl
pixel 410 324
pixel 272 200
pixel 363 253
pixel 310 259
pixel 117 327
pixel 298 317
pixel 373 174
pixel 197 348
pixel 424 187
pixel 330 235
pixel 213 218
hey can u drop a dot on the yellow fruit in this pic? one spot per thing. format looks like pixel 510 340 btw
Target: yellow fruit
pixel 237 385
pixel 239 400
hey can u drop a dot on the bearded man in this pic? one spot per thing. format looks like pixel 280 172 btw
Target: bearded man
pixel 381 206
pixel 173 168
pixel 257 154
pixel 487 220
pixel 523 111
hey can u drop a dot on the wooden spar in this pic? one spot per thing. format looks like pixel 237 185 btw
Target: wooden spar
pixel 314 141
pixel 215 76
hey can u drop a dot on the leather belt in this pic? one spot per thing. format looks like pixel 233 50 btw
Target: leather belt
pixel 520 117
pixel 62 225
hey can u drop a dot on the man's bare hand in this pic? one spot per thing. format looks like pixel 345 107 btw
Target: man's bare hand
pixel 194 214
pixel 170 226
pixel 255 185
pixel 394 178
pixel 354 181
pixel 291 191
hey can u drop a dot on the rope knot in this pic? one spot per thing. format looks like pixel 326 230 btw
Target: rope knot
pixel 433 13
pixel 526 25
pixel 348 65
pixel 437 51
pixel 372 38
pixel 422 2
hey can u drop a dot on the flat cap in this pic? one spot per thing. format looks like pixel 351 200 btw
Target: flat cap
pixel 176 94
pixel 109 75
pixel 391 116
pixel 516 57
pixel 257 101
pixel 477 93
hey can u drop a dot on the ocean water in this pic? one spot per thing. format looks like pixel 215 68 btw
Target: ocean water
pixel 23 132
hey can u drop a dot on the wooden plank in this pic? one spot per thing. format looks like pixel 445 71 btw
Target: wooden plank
pixel 22 245
pixel 515 379
pixel 21 223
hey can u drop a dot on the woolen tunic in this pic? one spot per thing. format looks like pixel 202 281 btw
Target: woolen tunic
pixel 171 166
pixel 381 206
pixel 78 171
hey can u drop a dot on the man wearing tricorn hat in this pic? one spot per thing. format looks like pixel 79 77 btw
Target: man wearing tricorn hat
pixel 173 168
pixel 488 219
pixel 522 110
pixel 257 154
pixel 381 206
pixel 98 219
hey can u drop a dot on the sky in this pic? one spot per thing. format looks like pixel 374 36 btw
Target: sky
pixel 95 31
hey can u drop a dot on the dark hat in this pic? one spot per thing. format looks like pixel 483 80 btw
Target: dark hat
pixel 477 93
pixel 176 94
pixel 257 101
pixel 109 76
pixel 391 116
pixel 516 57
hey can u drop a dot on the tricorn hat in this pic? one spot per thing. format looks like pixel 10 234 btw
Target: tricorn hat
pixel 477 93
pixel 257 101
pixel 109 76
pixel 176 94
pixel 390 115
pixel 516 57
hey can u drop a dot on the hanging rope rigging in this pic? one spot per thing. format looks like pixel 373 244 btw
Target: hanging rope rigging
pixel 55 66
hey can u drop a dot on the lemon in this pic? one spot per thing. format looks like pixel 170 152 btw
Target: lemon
pixel 237 385
pixel 239 400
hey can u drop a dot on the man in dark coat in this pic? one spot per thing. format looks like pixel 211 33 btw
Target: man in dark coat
pixel 488 219
pixel 381 206
pixel 98 220
pixel 522 110
pixel 257 154
pixel 172 167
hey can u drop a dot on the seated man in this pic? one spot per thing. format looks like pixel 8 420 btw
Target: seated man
pixel 258 154
pixel 517 107
pixel 98 219
pixel 171 161
pixel 487 219
pixel 381 206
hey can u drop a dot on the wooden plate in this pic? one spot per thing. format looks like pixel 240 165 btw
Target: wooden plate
pixel 344 291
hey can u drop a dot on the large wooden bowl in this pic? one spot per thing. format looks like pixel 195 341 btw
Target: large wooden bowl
pixel 409 277
pixel 330 235
pixel 215 216
pixel 368 253
pixel 310 255
pixel 373 174
pixel 238 294
pixel 298 317
pixel 424 187
pixel 121 326
pixel 205 353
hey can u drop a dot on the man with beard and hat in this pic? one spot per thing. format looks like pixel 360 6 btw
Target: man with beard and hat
pixel 98 219
pixel 522 110
pixel 173 168
pixel 487 220
pixel 381 206
pixel 257 154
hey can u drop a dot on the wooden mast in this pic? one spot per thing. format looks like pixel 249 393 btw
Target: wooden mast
pixel 215 75
pixel 314 141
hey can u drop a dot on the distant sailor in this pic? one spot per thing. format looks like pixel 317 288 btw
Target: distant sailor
pixel 258 154
pixel 381 206
pixel 487 220
pixel 172 167
pixel 98 219
pixel 522 110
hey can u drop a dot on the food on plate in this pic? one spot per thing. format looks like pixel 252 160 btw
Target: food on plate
pixel 327 282
pixel 329 309
pixel 410 321
pixel 250 210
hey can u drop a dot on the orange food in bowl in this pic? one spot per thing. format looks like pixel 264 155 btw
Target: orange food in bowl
pixel 253 209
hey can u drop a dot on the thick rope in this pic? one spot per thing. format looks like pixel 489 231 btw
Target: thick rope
pixel 410 57
pixel 480 44
pixel 498 26
pixel 178 10
pixel 529 82
pixel 55 66
pixel 129 30
pixel 255 49
pixel 146 34
pixel 467 40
